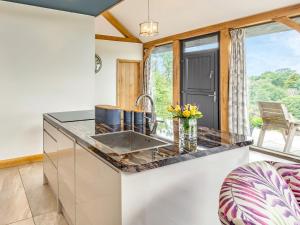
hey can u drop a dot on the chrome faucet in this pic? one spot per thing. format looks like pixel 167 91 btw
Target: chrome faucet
pixel 153 117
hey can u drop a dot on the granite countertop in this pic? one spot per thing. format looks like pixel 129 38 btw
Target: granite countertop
pixel 209 142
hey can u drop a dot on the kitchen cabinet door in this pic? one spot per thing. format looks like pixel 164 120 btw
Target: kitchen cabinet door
pixel 66 176
pixel 50 147
pixel 51 174
pixel 98 191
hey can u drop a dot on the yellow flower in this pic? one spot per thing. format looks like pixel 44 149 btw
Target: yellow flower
pixel 194 107
pixel 199 114
pixel 170 108
pixel 187 106
pixel 186 113
pixel 193 112
pixel 177 108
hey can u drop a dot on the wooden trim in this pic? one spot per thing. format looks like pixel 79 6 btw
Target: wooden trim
pixel 117 81
pixel 147 52
pixel 128 61
pixel 20 161
pixel 176 72
pixel 288 11
pixel 114 38
pixel 119 26
pixel 288 22
pixel 224 78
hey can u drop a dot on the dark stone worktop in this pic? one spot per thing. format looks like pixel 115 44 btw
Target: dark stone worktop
pixel 209 142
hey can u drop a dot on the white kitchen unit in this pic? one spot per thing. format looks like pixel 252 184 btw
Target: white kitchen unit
pixel 96 187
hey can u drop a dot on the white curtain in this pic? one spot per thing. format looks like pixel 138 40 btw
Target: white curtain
pixel 147 82
pixel 238 113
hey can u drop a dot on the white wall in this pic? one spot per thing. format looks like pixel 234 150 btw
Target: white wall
pixel 110 51
pixel 46 65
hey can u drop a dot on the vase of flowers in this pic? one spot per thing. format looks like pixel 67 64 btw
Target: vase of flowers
pixel 187 116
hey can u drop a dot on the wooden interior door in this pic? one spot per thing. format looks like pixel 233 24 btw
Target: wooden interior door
pixel 129 82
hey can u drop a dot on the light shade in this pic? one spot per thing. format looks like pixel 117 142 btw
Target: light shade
pixel 149 28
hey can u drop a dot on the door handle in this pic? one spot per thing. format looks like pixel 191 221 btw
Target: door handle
pixel 214 96
pixel 211 74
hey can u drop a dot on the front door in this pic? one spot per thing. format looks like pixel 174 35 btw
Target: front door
pixel 200 82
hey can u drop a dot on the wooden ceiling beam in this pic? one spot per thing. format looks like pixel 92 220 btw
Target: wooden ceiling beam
pixel 119 26
pixel 288 22
pixel 289 11
pixel 114 38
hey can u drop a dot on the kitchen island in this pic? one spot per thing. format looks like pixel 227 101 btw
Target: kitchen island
pixel 159 186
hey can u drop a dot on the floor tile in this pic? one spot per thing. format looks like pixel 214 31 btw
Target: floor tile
pixel 24 222
pixel 41 200
pixel 40 197
pixel 50 219
pixel 32 175
pixel 14 205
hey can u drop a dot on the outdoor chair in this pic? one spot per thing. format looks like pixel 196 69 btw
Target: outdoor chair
pixel 275 116
pixel 261 193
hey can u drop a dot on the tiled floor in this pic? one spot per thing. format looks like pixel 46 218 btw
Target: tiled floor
pixel 24 200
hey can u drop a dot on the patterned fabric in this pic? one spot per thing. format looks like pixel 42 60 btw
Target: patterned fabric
pixel 255 194
pixel 147 82
pixel 238 114
pixel 291 174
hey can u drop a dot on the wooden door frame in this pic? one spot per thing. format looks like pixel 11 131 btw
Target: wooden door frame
pixel 119 61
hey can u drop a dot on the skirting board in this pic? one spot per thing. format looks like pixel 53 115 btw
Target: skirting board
pixel 20 161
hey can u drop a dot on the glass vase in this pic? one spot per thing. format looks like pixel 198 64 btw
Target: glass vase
pixel 188 134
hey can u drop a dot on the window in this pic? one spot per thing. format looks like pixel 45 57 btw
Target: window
pixel 161 81
pixel 161 86
pixel 273 70
pixel 201 44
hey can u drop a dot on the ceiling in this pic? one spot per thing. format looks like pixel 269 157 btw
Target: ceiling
pixel 176 16
pixel 102 26
pixel 90 7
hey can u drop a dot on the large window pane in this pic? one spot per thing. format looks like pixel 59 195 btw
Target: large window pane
pixel 162 79
pixel 273 69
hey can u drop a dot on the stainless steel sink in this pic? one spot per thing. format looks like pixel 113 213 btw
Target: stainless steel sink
pixel 128 141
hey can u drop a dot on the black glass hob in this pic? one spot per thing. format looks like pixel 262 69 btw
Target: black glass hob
pixel 73 116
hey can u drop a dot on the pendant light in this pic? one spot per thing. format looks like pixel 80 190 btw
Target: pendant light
pixel 148 28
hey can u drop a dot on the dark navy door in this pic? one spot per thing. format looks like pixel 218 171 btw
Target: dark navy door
pixel 200 84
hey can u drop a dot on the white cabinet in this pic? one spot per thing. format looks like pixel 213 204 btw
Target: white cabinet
pixel 50 172
pixel 66 176
pixel 50 147
pixel 98 191
pixel 51 130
